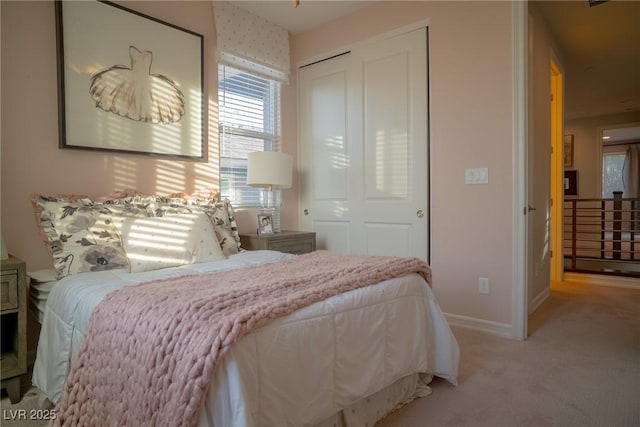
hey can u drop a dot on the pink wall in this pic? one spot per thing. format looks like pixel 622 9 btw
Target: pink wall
pixel 470 62
pixel 31 160
pixel 471 126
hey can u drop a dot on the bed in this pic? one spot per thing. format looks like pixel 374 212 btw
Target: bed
pixel 345 360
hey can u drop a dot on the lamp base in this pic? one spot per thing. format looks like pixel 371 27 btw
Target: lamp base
pixel 271 206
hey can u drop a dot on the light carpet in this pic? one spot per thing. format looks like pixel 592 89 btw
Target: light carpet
pixel 579 367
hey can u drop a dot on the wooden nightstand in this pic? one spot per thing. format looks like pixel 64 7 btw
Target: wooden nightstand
pixel 13 309
pixel 292 242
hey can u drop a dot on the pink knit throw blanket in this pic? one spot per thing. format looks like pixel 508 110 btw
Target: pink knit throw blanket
pixel 151 349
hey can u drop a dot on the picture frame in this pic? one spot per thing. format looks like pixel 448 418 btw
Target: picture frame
pixel 571 183
pixel 568 151
pixel 265 224
pixel 128 82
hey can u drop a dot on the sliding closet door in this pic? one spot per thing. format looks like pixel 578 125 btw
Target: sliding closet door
pixel 363 147
pixel 326 139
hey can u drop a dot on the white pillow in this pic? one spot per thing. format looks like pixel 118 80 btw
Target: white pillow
pixel 42 276
pixel 155 243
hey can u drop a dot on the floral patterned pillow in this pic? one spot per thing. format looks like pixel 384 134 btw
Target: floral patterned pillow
pixel 222 216
pixel 81 235
pixel 83 238
pixel 126 207
pixel 43 215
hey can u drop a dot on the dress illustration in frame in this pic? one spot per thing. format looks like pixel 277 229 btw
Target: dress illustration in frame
pixel 128 82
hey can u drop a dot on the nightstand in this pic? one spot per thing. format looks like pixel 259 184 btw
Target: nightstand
pixel 292 242
pixel 13 309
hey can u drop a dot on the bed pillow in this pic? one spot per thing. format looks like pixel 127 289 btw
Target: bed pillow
pixel 43 276
pixel 201 197
pixel 43 214
pixel 169 241
pixel 81 237
pixel 121 204
pixel 221 215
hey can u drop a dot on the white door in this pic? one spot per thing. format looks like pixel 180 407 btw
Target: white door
pixel 363 148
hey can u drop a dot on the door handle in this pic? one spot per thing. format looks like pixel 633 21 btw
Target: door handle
pixel 306 211
pixel 420 213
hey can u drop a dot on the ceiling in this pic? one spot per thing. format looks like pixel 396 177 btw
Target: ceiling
pixel 599 45
pixel 307 15
pixel 600 51
pixel 630 134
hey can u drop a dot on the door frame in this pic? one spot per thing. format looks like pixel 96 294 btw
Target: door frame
pixel 520 242
pixel 556 85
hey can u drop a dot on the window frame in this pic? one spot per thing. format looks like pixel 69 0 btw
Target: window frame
pixel 244 84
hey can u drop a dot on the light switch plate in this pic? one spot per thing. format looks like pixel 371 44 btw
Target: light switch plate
pixel 476 176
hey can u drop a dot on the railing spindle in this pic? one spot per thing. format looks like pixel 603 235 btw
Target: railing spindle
pixel 617 224
pixel 573 234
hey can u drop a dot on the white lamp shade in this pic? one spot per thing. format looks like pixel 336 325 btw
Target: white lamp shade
pixel 269 169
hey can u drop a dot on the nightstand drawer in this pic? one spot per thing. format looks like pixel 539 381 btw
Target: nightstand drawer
pixel 292 242
pixel 9 290
pixel 293 247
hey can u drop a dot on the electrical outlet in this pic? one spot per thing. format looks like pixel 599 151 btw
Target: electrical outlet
pixel 483 285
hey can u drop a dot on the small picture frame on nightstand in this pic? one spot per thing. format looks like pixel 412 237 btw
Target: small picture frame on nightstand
pixel 265 224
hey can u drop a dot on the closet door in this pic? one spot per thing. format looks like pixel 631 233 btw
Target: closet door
pixel 363 148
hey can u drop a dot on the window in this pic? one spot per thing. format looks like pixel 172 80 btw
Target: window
pixel 249 108
pixel 612 165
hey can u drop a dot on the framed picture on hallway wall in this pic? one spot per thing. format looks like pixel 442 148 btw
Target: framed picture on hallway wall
pixel 128 82
pixel 571 183
pixel 568 151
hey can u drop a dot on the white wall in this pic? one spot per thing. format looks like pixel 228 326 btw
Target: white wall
pixel 586 138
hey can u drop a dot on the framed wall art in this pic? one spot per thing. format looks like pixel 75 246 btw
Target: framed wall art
pixel 571 183
pixel 128 82
pixel 568 151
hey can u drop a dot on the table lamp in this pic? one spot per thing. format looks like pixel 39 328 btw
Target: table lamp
pixel 271 171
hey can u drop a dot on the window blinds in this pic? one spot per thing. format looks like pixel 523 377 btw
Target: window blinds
pixel 249 109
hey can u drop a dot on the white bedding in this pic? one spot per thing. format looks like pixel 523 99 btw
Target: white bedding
pixel 299 370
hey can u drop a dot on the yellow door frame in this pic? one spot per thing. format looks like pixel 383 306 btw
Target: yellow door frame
pixel 556 265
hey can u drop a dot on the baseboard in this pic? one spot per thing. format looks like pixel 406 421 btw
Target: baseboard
pixel 502 330
pixel 603 280
pixel 538 300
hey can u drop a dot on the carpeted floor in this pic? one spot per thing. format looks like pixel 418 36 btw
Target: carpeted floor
pixel 579 367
